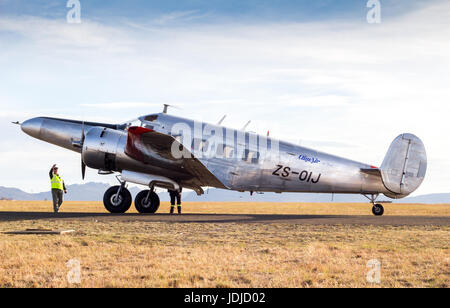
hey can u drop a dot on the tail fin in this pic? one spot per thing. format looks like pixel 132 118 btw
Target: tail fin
pixel 404 166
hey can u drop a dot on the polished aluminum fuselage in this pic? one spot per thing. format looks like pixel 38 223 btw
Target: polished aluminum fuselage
pixel 321 173
pixel 291 168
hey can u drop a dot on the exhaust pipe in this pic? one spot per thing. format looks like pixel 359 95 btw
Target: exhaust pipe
pixel 149 180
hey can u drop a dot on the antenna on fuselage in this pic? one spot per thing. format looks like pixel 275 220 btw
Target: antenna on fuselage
pixel 221 120
pixel 166 106
pixel 245 126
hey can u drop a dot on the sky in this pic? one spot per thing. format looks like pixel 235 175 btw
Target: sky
pixel 312 72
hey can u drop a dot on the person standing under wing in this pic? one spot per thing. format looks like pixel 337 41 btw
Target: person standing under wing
pixel 175 194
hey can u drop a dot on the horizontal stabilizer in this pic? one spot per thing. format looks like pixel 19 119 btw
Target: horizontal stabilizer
pixel 371 171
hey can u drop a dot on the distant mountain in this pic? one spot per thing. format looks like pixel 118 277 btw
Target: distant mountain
pixel 430 198
pixel 233 196
pixel 77 192
pixel 94 192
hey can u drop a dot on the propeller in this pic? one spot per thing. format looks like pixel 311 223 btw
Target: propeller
pixel 83 165
pixel 79 144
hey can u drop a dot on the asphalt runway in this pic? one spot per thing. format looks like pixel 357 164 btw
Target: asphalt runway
pixel 234 218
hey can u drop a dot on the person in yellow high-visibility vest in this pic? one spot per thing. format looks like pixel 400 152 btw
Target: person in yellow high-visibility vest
pixel 58 187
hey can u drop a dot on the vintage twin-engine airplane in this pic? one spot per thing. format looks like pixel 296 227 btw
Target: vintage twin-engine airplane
pixel 162 150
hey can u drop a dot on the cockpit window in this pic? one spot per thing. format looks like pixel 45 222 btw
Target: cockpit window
pixel 134 122
pixel 151 118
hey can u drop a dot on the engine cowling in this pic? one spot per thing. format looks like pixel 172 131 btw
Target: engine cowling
pixel 100 148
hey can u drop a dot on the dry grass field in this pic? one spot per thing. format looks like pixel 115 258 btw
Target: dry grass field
pixel 245 208
pixel 130 253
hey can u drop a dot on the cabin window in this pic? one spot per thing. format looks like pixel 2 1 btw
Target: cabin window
pixel 228 151
pixel 204 146
pixel 200 145
pixel 254 157
pixel 224 151
pixel 251 156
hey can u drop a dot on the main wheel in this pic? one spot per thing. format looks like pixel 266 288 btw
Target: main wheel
pixel 117 203
pixel 146 205
pixel 377 209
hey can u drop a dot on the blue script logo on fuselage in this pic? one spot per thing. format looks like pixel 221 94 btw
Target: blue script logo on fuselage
pixel 307 159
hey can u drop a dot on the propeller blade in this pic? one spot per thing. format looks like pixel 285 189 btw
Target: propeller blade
pixel 82 133
pixel 83 169
pixel 83 165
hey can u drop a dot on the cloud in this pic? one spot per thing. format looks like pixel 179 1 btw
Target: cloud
pixel 64 37
pixel 121 105
pixel 178 16
pixel 319 101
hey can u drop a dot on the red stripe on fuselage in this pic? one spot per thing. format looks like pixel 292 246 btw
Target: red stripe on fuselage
pixel 134 142
pixel 138 130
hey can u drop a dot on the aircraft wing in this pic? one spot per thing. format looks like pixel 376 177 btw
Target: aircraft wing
pixel 149 146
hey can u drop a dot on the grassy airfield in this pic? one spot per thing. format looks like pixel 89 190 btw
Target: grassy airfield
pixel 158 254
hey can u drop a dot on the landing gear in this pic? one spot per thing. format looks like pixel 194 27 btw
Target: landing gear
pixel 377 209
pixel 147 201
pixel 117 199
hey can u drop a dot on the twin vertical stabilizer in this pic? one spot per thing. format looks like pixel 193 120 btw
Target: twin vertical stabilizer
pixel 404 166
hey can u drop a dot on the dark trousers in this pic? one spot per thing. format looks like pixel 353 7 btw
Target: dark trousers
pixel 58 198
pixel 174 195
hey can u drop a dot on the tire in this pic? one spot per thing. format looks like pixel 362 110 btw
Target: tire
pixel 152 204
pixel 122 205
pixel 377 210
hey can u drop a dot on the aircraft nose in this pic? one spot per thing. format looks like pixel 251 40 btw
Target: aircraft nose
pixel 32 127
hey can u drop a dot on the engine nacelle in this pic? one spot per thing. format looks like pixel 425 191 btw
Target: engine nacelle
pixel 100 148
